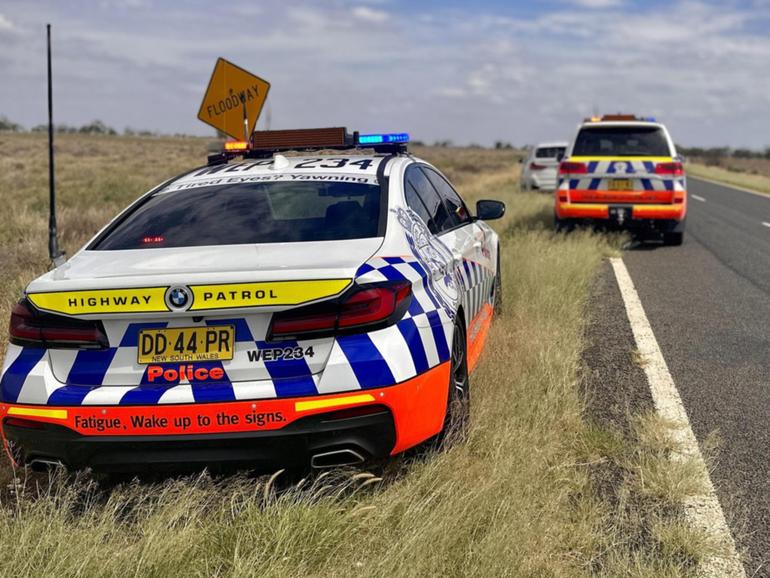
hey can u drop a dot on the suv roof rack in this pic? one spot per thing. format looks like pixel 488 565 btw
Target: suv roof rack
pixel 266 143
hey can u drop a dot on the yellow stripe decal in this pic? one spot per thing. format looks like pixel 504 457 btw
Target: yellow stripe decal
pixel 137 300
pixel 333 402
pixel 31 412
pixel 205 297
pixel 265 294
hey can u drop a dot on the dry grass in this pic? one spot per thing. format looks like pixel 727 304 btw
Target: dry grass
pixel 755 176
pixel 518 499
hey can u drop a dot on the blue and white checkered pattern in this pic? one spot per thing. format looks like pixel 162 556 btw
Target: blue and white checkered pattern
pixel 599 173
pixel 419 341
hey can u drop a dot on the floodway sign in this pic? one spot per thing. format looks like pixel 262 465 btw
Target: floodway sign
pixel 232 88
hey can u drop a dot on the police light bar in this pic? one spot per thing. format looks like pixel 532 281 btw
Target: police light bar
pixel 265 143
pixel 376 139
pixel 619 117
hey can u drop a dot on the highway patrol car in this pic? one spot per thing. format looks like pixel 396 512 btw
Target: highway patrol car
pixel 623 171
pixel 270 310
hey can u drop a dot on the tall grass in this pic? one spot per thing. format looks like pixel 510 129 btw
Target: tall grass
pixel 517 499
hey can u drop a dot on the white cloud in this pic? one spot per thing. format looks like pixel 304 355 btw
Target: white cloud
pixel 370 14
pixel 465 74
pixel 5 24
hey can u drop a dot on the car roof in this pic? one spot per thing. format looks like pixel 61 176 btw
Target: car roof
pixel 544 145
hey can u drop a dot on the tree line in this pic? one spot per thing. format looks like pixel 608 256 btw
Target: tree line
pixel 94 127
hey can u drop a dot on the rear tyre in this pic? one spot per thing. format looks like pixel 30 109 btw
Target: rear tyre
pixel 673 239
pixel 457 416
pixel 562 225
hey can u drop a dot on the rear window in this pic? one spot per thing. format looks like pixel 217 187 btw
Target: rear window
pixel 549 152
pixel 247 213
pixel 622 141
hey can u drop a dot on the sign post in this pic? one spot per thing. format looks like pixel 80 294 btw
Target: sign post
pixel 233 100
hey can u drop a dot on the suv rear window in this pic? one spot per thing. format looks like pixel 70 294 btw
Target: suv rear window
pixel 549 152
pixel 247 213
pixel 621 141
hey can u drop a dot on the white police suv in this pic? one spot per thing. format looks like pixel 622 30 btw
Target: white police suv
pixel 262 310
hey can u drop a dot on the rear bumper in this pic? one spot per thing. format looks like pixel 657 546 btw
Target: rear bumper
pixel 544 182
pixel 354 438
pixel 638 212
pixel 270 433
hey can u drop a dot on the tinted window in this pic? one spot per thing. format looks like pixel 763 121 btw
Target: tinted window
pixel 622 141
pixel 413 202
pixel 246 213
pixel 550 152
pixel 454 204
pixel 438 213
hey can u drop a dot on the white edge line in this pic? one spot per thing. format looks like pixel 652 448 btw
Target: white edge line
pixel 729 186
pixel 698 198
pixel 704 511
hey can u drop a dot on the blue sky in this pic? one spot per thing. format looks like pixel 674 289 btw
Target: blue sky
pixel 465 71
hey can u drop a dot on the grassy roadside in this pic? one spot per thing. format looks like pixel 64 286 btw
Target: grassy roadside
pixel 759 182
pixel 520 498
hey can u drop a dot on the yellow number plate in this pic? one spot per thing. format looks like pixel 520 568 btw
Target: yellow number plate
pixel 182 344
pixel 621 185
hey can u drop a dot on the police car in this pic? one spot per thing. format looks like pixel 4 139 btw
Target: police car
pixel 623 171
pixel 266 309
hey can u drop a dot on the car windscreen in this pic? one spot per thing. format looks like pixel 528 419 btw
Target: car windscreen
pixel 246 213
pixel 549 152
pixel 621 141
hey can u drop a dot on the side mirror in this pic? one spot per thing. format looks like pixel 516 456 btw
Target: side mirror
pixel 489 210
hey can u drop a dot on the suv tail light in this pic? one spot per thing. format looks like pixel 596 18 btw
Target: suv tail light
pixel 32 328
pixel 367 307
pixel 569 168
pixel 536 167
pixel 673 169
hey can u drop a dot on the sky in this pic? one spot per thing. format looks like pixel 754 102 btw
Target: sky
pixel 469 72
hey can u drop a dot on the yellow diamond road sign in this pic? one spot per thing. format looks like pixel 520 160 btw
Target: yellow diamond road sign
pixel 232 88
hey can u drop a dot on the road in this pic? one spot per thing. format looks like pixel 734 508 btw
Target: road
pixel 708 303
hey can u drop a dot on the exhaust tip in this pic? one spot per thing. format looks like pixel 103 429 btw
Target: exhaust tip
pixel 335 459
pixel 45 464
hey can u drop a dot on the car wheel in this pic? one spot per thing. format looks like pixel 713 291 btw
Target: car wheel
pixel 457 416
pixel 673 239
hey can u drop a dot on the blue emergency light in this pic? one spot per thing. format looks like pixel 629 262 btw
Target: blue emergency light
pixel 374 139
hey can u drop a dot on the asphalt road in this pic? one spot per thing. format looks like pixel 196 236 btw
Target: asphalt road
pixel 708 302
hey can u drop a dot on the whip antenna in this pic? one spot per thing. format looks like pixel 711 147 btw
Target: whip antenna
pixel 56 256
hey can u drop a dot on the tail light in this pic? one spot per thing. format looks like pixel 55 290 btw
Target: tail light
pixel 536 167
pixel 571 168
pixel 674 169
pixel 32 328
pixel 367 307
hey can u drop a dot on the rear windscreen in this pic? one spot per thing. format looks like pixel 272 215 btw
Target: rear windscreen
pixel 621 141
pixel 549 152
pixel 246 213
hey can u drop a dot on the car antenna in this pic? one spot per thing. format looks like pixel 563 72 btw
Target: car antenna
pixel 56 256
